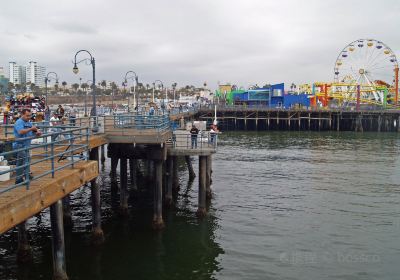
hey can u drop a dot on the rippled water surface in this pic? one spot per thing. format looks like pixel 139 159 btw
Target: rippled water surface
pixel 287 205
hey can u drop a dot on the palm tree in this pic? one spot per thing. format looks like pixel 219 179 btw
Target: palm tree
pixel 75 87
pixel 104 84
pixel 84 86
pixel 64 84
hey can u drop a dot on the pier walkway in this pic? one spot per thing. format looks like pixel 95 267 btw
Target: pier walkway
pixel 66 157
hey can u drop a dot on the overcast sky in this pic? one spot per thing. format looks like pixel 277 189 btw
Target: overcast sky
pixel 192 41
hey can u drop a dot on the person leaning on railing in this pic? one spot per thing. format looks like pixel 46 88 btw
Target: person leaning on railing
pixel 23 128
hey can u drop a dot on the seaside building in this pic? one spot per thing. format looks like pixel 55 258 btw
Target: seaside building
pixel 35 74
pixel 17 73
pixel 32 73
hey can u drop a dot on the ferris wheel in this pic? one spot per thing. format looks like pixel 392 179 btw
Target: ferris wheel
pixel 367 63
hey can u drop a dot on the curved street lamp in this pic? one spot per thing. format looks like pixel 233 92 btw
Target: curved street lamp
pixel 47 80
pixel 135 78
pixel 154 86
pixel 75 69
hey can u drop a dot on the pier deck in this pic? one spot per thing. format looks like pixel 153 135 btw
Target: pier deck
pixel 19 204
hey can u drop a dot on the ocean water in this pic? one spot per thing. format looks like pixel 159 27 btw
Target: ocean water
pixel 286 205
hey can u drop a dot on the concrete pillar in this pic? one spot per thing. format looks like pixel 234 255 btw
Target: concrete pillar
pixel 103 158
pixel 132 172
pixel 24 251
pixel 158 222
pixel 168 193
pixel 208 177
pixel 67 215
pixel 175 176
pixel 124 187
pixel 192 174
pixel 97 231
pixel 201 211
pixel 58 246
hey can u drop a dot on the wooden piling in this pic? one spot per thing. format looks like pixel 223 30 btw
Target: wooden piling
pixel 97 232
pixel 201 210
pixel 208 178
pixel 123 203
pixel 114 165
pixel 58 245
pixel 67 215
pixel 132 172
pixel 192 174
pixel 175 176
pixel 169 174
pixel 102 158
pixel 24 251
pixel 158 222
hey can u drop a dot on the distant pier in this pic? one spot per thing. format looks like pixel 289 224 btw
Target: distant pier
pixel 264 119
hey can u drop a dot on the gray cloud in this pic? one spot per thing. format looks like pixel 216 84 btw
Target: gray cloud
pixel 192 41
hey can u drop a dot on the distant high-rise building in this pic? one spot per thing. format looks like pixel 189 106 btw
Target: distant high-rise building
pixel 32 73
pixel 17 73
pixel 35 74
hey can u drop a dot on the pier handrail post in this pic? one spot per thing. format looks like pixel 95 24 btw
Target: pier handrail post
pixel 71 145
pixel 52 159
pixel 27 167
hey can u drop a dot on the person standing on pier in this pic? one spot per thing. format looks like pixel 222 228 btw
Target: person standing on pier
pixel 23 128
pixel 193 134
pixel 72 115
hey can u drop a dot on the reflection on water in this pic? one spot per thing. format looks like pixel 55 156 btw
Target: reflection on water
pixel 185 249
pixel 287 205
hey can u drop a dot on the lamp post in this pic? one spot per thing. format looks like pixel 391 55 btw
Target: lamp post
pixel 125 83
pixel 174 90
pixel 88 82
pixel 75 69
pixel 154 86
pixel 47 80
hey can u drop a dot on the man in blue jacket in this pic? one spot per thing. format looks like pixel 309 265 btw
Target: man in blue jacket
pixel 23 128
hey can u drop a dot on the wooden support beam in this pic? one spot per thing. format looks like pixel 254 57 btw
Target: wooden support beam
pixel 175 185
pixel 192 174
pixel 201 210
pixel 24 250
pixel 169 173
pixel 58 246
pixel 208 178
pixel 67 215
pixel 158 222
pixel 124 187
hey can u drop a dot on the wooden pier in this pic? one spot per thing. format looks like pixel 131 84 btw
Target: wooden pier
pixel 263 119
pixel 129 140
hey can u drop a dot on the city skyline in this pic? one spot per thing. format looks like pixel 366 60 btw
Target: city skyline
pixel 194 42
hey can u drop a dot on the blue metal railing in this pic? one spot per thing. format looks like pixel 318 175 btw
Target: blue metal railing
pixel 141 122
pixel 56 149
pixel 202 141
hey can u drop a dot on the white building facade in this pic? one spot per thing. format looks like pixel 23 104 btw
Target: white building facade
pixel 35 74
pixel 32 73
pixel 17 73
